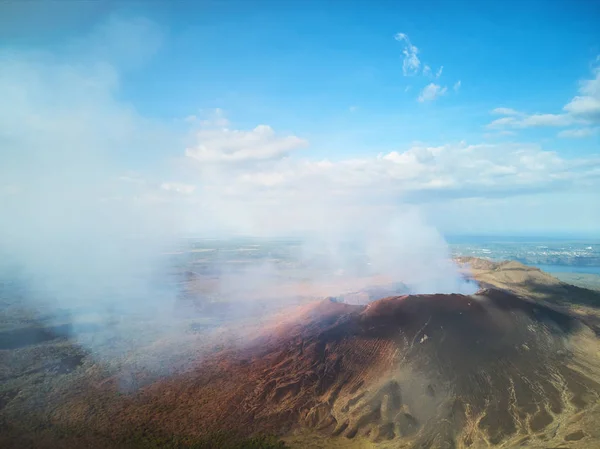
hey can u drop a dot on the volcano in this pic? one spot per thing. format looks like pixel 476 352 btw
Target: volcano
pixel 422 371
pixel 516 364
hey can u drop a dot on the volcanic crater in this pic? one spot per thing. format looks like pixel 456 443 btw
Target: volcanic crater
pixel 423 371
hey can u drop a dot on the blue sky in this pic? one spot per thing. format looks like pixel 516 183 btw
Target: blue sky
pixel 484 116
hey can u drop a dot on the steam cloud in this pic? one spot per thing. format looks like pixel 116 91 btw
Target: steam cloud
pixel 89 204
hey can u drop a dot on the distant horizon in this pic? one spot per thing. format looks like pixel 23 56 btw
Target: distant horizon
pixel 534 237
pixel 450 238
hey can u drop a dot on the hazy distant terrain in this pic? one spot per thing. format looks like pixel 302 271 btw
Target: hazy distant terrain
pixel 575 262
pixel 552 255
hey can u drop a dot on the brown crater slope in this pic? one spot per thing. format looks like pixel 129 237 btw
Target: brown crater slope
pixel 423 371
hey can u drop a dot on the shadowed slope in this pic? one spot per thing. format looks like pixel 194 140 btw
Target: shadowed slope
pixel 531 282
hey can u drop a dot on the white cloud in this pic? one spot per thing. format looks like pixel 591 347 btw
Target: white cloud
pixel 502 122
pixel 419 174
pixel 587 105
pixel 529 121
pixel 411 66
pixel 545 120
pixel 177 187
pixel 223 145
pixel 587 108
pixel 214 118
pixel 353 108
pixel 431 92
pixel 457 86
pixel 411 62
pixel 582 109
pixel 578 133
pixel 132 178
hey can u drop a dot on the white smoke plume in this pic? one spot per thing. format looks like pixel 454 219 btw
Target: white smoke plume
pixel 93 194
